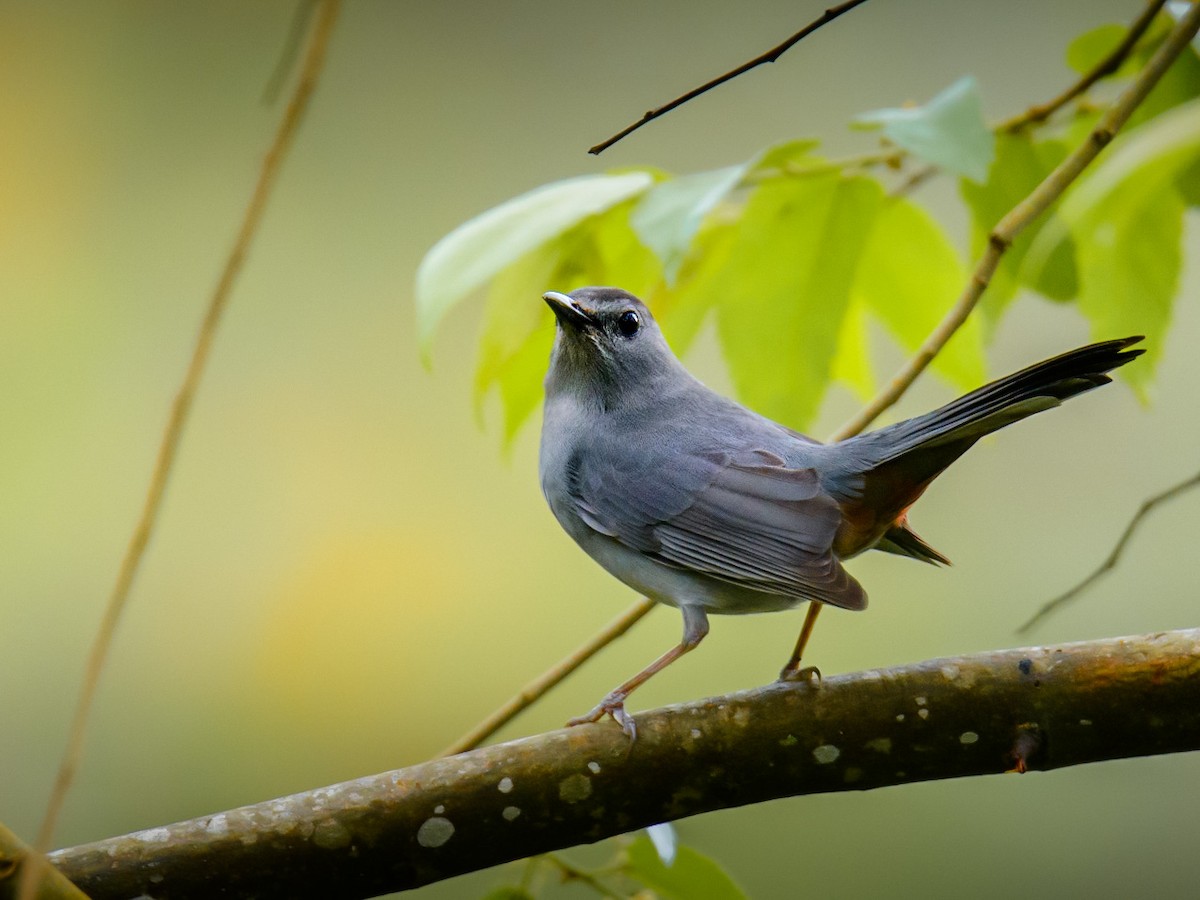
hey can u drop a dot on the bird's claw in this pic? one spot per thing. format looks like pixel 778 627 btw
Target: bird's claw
pixel 809 675
pixel 614 706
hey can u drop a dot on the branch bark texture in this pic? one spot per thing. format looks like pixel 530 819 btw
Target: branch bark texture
pixel 1015 710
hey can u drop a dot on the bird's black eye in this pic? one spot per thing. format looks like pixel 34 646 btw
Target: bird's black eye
pixel 628 323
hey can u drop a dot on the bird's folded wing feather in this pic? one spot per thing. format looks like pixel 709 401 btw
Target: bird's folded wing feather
pixel 742 517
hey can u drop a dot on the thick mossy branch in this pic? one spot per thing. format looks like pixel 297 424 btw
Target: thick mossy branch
pixel 1033 708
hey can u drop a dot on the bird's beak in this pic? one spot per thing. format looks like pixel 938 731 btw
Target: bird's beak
pixel 566 310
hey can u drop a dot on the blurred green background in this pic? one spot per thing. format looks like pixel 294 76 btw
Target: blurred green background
pixel 348 572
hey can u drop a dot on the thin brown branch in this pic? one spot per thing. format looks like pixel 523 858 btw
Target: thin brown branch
pixel 1036 708
pixel 1114 555
pixel 569 872
pixel 769 57
pixel 548 679
pixel 1024 213
pixel 1102 69
pixel 169 448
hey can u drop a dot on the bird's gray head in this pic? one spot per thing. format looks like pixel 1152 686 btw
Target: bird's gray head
pixel 607 347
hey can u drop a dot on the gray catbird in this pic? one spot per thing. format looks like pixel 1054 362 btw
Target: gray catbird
pixel 702 504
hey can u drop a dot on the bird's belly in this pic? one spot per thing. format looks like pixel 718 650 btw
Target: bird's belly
pixel 673 586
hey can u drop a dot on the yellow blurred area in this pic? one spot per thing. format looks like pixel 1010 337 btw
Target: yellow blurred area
pixel 333 628
pixel 348 572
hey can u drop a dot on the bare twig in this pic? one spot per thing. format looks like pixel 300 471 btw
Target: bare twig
pixel 1041 708
pixel 914 180
pixel 548 679
pixel 1114 555
pixel 1102 69
pixel 569 872
pixel 769 57
pixel 168 449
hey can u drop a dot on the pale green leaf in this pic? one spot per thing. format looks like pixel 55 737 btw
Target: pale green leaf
pixel 668 216
pixel 1126 220
pixel 521 381
pixel 1130 257
pixel 949 131
pixel 1152 157
pixel 618 258
pixel 518 328
pixel 476 251
pixel 1020 165
pixel 512 317
pixel 783 155
pixel 1180 83
pixel 852 361
pixel 508 892
pixel 785 291
pixel 682 310
pixel 1086 51
pixel 1188 183
pixel 692 876
pixel 909 277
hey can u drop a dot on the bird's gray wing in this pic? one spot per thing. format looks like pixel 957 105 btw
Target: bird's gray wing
pixel 743 517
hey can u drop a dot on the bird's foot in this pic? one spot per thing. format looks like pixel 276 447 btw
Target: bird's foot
pixel 613 705
pixel 809 675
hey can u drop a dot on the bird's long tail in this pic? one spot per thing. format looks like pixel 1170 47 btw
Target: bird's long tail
pixel 897 463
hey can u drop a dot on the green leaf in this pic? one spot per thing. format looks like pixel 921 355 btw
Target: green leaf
pixel 784 155
pixel 1020 165
pixel 785 290
pixel 682 310
pixel 518 329
pixel 476 251
pixel 1126 220
pixel 910 277
pixel 1179 84
pixel 517 333
pixel 1130 259
pixel 692 875
pixel 1086 51
pixel 1188 183
pixel 852 361
pixel 948 131
pixel 508 892
pixel 1151 157
pixel 668 215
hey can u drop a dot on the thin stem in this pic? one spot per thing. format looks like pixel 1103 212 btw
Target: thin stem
pixel 548 679
pixel 892 158
pixel 571 872
pixel 769 57
pixel 168 449
pixel 1114 556
pixel 1102 69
